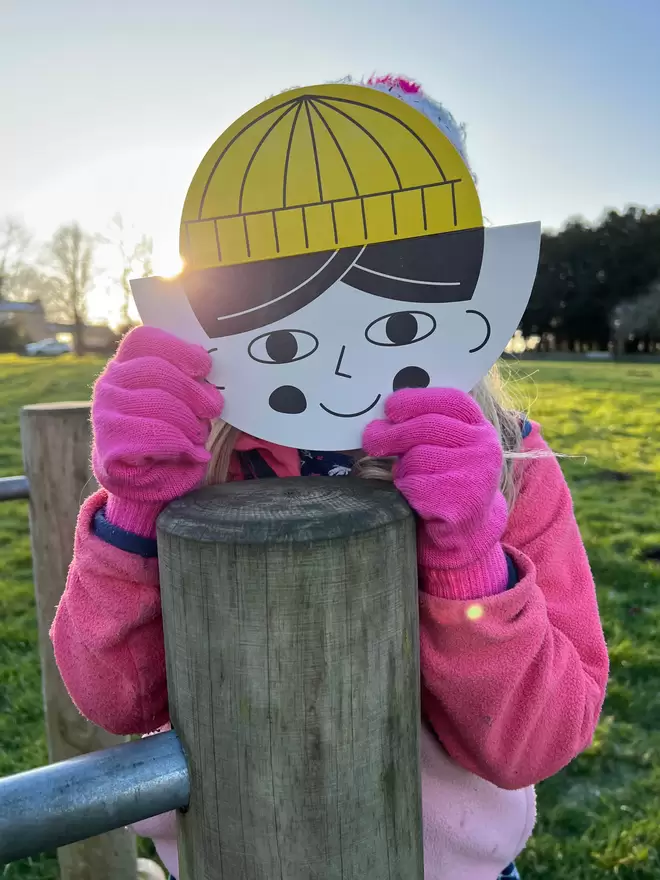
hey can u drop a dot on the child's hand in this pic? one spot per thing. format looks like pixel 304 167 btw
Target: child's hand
pixel 449 468
pixel 151 415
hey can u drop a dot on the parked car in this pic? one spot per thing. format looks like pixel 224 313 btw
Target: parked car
pixel 47 348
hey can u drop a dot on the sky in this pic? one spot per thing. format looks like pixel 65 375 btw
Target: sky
pixel 109 107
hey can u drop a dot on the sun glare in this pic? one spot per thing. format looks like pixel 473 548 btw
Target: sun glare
pixel 168 266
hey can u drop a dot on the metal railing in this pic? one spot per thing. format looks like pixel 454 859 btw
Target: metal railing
pixel 14 488
pixel 72 800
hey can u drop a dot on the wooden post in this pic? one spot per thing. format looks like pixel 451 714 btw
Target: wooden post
pixel 56 443
pixel 291 632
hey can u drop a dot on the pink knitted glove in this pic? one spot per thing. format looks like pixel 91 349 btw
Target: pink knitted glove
pixel 448 469
pixel 151 414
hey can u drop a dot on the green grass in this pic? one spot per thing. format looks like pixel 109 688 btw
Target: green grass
pixel 601 816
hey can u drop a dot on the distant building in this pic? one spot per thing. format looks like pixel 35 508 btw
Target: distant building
pixel 29 321
pixel 27 318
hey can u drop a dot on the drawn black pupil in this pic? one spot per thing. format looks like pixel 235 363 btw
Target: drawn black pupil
pixel 401 328
pixel 281 346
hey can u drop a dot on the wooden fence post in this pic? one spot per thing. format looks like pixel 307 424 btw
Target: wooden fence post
pixel 56 444
pixel 291 632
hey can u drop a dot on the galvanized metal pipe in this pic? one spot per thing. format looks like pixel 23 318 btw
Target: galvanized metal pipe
pixel 73 800
pixel 12 488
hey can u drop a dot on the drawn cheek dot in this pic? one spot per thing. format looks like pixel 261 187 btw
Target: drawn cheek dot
pixel 411 377
pixel 288 399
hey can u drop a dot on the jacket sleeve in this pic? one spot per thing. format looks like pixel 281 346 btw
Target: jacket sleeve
pixel 513 685
pixel 108 635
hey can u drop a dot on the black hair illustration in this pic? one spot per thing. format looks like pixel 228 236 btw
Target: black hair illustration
pixel 439 268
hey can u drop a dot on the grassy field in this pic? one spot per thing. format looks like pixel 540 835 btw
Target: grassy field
pixel 600 817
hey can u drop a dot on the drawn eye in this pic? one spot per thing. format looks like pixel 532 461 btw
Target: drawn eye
pixel 401 328
pixel 282 346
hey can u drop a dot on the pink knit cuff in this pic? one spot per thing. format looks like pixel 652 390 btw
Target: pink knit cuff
pixel 487 576
pixel 136 517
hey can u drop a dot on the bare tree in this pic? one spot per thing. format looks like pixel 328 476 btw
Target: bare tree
pixel 638 317
pixel 136 258
pixel 15 241
pixel 70 255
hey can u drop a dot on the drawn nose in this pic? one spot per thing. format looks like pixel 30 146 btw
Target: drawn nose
pixel 338 367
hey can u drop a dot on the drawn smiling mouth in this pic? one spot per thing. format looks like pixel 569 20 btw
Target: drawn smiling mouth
pixel 350 415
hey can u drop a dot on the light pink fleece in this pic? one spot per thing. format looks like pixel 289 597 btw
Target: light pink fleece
pixel 513 692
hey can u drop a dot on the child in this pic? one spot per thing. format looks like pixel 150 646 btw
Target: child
pixel 513 659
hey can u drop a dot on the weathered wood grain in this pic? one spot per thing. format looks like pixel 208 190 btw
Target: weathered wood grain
pixel 291 630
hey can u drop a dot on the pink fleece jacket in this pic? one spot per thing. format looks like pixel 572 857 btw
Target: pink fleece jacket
pixel 512 685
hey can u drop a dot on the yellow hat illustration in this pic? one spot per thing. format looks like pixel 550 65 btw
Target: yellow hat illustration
pixel 322 168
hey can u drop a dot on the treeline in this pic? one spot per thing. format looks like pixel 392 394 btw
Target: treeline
pixel 598 285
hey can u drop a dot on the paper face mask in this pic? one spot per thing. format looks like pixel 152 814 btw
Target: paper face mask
pixel 335 251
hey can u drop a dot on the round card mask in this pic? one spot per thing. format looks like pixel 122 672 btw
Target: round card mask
pixel 335 251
